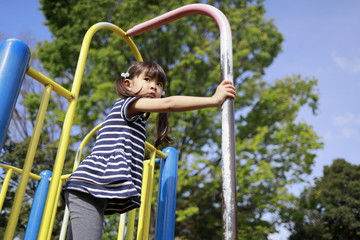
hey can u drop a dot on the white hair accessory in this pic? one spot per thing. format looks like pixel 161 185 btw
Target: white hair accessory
pixel 125 75
pixel 163 93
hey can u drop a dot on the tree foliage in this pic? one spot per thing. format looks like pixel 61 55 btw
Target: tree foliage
pixel 273 148
pixel 330 209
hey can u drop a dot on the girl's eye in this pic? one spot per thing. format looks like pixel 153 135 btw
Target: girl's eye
pixel 160 84
pixel 147 79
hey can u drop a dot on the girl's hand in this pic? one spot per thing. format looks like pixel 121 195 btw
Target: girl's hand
pixel 223 91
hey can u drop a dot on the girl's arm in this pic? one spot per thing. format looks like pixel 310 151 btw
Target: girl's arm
pixel 183 103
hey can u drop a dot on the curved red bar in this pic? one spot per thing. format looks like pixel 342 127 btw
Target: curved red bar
pixel 191 9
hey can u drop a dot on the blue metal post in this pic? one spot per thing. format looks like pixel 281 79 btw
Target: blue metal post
pixel 14 59
pixel 37 209
pixel 165 218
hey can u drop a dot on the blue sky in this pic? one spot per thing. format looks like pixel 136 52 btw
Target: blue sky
pixel 21 19
pixel 321 41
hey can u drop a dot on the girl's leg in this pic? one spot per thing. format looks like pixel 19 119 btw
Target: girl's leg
pixel 86 216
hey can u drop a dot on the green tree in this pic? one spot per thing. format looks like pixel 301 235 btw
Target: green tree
pixel 330 208
pixel 274 148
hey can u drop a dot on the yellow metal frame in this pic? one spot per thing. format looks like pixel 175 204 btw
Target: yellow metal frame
pixel 5 185
pixel 56 179
pixel 19 196
pixel 147 187
pixel 54 189
pixel 47 81
pixel 72 97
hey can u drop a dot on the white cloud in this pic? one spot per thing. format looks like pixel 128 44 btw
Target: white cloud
pixel 347 126
pixel 346 119
pixel 347 64
pixel 349 132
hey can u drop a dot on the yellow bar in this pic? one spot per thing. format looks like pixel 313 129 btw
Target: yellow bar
pixel 145 186
pixel 85 47
pixel 46 81
pixel 151 148
pixel 145 208
pixel 65 134
pixel 121 228
pixel 19 196
pixel 57 169
pixel 4 187
pixel 20 171
pixel 51 223
pixel 64 177
pixel 130 225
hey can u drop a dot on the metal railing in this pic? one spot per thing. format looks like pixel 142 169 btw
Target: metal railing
pixel 165 219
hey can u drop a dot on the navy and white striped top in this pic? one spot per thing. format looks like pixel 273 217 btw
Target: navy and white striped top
pixel 113 170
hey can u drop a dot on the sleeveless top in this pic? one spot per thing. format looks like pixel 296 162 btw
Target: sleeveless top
pixel 113 170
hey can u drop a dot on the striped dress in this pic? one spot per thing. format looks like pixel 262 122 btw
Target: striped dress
pixel 113 170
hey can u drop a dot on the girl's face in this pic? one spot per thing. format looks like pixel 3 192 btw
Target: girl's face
pixel 148 87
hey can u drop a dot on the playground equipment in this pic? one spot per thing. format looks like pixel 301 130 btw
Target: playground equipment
pixel 167 183
pixel 14 59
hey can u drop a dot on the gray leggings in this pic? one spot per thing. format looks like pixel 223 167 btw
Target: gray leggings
pixel 86 216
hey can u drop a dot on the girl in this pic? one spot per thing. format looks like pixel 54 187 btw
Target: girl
pixel 109 179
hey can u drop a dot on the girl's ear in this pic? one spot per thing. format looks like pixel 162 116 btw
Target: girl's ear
pixel 128 83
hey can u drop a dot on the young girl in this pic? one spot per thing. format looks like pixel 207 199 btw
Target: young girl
pixel 109 179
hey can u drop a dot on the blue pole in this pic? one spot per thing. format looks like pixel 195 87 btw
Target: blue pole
pixel 165 218
pixel 14 59
pixel 37 209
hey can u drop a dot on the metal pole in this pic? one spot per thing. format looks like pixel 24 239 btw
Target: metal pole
pixel 228 138
pixel 166 203
pixel 38 205
pixel 28 164
pixel 14 59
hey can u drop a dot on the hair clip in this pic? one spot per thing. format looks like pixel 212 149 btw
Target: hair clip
pixel 125 75
pixel 163 93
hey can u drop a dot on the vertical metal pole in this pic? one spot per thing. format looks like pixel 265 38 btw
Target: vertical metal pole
pixel 14 59
pixel 28 163
pixel 165 217
pixel 228 138
pixel 38 205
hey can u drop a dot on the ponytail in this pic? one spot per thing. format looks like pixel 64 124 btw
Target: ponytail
pixel 162 131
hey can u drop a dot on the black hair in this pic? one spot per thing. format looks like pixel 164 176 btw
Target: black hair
pixel 153 70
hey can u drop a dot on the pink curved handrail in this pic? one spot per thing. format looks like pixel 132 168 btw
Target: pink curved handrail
pixel 228 132
pixel 184 11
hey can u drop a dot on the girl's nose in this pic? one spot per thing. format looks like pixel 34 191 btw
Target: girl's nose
pixel 152 85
